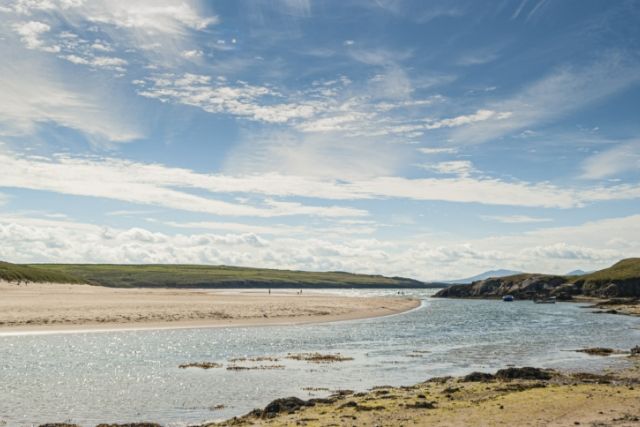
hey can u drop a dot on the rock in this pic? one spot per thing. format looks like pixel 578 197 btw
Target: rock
pixel 439 380
pixel 287 404
pixel 597 351
pixel 349 404
pixel 526 373
pixel 202 365
pixel 521 286
pixel 421 405
pixel 478 377
pixel 635 351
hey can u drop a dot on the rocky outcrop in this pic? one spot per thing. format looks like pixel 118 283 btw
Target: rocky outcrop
pixel 615 288
pixel 508 374
pixel 521 286
pixel 621 280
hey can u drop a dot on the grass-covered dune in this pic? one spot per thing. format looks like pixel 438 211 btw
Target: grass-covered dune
pixel 192 276
pixel 620 280
pixel 25 273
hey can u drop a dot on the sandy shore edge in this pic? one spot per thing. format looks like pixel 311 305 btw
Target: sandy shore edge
pixel 511 397
pixel 65 308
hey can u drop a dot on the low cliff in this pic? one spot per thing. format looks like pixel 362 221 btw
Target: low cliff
pixel 620 280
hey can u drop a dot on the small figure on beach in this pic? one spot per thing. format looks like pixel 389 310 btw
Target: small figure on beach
pixel 269 291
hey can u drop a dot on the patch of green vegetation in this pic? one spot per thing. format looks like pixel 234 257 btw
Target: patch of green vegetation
pixel 627 269
pixel 24 273
pixel 192 276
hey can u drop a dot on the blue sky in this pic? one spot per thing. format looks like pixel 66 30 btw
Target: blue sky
pixel 431 139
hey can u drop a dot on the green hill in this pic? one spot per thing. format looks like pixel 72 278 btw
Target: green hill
pixel 620 280
pixel 25 273
pixel 622 270
pixel 193 276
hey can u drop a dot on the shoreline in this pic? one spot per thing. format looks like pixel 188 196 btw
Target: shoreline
pixel 620 306
pixel 68 308
pixel 511 396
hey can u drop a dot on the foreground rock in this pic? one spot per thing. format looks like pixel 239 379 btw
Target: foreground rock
pixel 513 396
pixel 525 397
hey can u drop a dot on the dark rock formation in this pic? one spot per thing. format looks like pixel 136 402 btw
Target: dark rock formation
pixel 287 404
pixel 478 377
pixel 521 286
pixel 597 351
pixel 526 373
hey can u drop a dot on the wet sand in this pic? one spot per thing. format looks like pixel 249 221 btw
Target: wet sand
pixel 47 307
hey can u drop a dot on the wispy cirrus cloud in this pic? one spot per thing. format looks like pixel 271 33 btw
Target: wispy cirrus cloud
pixel 33 97
pixel 624 157
pixel 452 167
pixel 515 219
pixel 158 29
pixel 551 98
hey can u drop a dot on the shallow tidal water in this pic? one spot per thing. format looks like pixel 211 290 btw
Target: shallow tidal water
pixel 125 376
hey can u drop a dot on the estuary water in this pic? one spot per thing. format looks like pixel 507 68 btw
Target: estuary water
pixel 125 376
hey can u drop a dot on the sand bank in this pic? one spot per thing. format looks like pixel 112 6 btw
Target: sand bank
pixel 60 307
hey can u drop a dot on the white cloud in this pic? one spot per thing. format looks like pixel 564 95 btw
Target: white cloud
pixel 30 33
pixel 106 62
pixel 158 30
pixel 192 54
pixel 514 219
pixel 552 250
pixel 615 161
pixel 159 185
pixel 122 180
pixel 101 46
pixel 32 95
pixel 453 167
pixel 478 116
pixel 152 16
pixel 438 150
pixel 258 103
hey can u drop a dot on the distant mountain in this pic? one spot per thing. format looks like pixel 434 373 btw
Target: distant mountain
pixel 578 273
pixel 485 275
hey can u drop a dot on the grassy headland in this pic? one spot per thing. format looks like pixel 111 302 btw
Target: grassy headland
pixel 622 280
pixel 25 273
pixel 196 276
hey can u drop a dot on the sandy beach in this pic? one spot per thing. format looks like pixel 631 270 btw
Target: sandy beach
pixel 68 307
